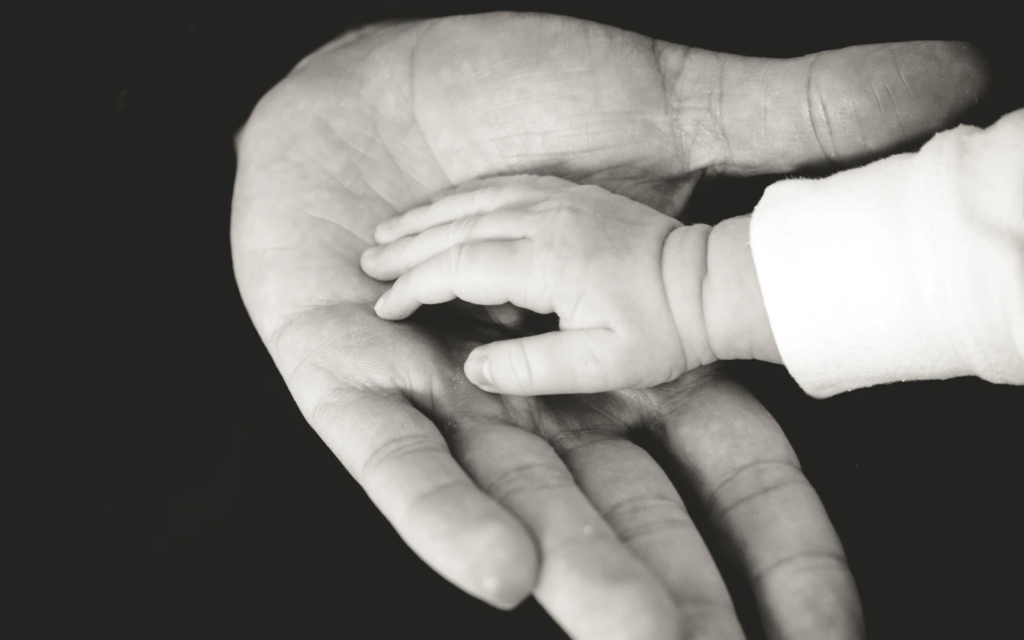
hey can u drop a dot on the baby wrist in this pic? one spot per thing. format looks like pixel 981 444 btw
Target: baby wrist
pixel 734 312
pixel 684 259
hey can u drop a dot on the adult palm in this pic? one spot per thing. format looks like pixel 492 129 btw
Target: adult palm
pixel 503 495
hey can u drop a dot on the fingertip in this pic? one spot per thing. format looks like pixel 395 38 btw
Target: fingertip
pixel 946 78
pixel 399 226
pixel 380 307
pixel 478 370
pixel 972 69
pixel 604 591
pixel 815 598
pixel 507 570
pixel 507 578
pixel 366 260
pixel 384 232
pixel 479 547
pixel 505 595
pixel 487 553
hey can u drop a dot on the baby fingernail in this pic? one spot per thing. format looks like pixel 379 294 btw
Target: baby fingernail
pixel 478 370
pixel 380 233
pixel 381 301
pixel 370 254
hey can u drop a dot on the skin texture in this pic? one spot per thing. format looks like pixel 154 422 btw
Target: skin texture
pixel 638 301
pixel 509 496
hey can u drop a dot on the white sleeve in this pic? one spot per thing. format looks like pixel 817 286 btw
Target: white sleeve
pixel 909 268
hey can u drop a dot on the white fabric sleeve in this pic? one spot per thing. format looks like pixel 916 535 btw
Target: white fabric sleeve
pixel 909 268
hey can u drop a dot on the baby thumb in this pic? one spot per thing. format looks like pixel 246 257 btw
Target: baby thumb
pixel 577 361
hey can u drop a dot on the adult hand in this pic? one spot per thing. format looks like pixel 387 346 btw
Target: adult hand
pixel 504 495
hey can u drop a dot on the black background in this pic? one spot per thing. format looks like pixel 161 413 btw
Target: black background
pixel 178 489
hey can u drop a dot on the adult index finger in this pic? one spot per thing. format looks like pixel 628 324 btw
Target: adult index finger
pixel 404 464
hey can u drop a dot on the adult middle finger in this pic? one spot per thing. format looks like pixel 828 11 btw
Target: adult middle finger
pixel 731 452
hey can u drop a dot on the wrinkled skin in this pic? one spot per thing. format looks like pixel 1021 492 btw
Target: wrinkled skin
pixel 510 496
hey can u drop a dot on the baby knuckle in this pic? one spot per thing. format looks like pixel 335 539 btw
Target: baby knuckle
pixel 663 364
pixel 589 191
pixel 593 368
pixel 455 262
pixel 519 363
pixel 552 182
pixel 461 229
pixel 481 197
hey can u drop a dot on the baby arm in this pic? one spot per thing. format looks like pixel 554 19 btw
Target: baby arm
pixel 641 299
pixel 909 268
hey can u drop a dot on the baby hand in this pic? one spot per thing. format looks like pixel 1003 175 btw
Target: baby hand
pixel 550 246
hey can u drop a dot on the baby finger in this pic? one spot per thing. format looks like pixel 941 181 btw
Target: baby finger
pixel 458 205
pixel 486 273
pixel 388 261
pixel 574 361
